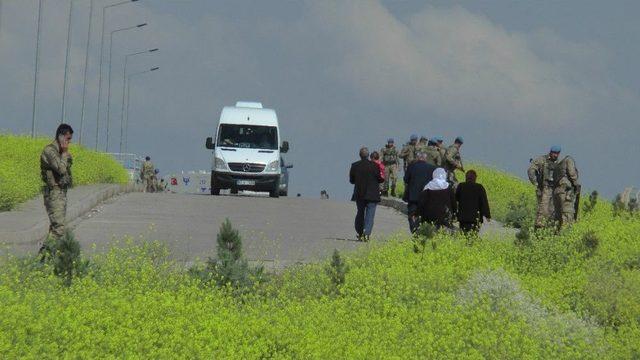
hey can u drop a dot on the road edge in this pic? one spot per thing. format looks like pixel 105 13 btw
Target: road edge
pixel 39 231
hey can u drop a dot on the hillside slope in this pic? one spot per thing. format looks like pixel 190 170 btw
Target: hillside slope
pixel 20 168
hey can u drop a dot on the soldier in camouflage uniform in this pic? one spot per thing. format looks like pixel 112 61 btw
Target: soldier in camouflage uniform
pixel 433 154
pixel 440 144
pixel 390 161
pixel 408 153
pixel 567 187
pixel 146 174
pixel 422 145
pixel 55 170
pixel 541 173
pixel 453 161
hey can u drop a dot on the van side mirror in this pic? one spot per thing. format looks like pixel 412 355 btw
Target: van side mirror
pixel 209 144
pixel 285 147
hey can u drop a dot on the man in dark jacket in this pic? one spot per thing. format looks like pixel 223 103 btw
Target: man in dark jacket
pixel 473 204
pixel 418 174
pixel 365 176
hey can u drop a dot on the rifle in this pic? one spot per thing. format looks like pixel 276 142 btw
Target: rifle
pixel 576 205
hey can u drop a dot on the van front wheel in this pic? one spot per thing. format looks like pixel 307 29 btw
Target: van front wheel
pixel 275 192
pixel 214 189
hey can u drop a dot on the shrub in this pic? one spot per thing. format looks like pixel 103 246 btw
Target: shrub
pixel 426 231
pixel 520 213
pixel 337 270
pixel 618 206
pixel 523 237
pixel 591 203
pixel 590 243
pixel 64 255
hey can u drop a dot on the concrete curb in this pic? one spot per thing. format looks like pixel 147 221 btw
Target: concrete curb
pixel 395 203
pixel 40 229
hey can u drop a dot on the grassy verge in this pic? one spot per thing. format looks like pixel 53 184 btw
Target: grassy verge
pixel 502 188
pixel 20 168
pixel 559 297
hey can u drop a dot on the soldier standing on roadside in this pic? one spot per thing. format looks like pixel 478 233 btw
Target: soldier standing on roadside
pixel 541 173
pixel 390 162
pixel 55 170
pixel 453 161
pixel 567 189
pixel 146 174
pixel 433 154
pixel 408 153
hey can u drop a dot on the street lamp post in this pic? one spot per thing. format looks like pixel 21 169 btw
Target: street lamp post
pixel 104 11
pixel 35 78
pixel 109 75
pixel 126 144
pixel 124 83
pixel 86 67
pixel 66 62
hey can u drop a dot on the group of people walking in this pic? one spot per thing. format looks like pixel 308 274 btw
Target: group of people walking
pixel 432 191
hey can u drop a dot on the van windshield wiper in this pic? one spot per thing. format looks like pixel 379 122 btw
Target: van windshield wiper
pixel 266 151
pixel 226 149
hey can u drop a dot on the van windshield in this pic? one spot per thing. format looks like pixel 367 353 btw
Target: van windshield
pixel 248 136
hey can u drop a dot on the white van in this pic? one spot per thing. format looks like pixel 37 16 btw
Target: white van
pixel 246 151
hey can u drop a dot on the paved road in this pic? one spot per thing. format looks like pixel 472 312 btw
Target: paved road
pixel 278 232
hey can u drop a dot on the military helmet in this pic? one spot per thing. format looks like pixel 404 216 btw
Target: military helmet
pixel 390 141
pixel 460 140
pixel 413 137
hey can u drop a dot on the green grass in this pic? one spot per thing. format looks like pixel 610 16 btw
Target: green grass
pixel 20 168
pixel 501 187
pixel 555 299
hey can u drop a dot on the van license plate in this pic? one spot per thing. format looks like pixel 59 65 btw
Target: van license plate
pixel 246 182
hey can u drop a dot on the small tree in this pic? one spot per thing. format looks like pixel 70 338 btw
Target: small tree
pixel 633 205
pixel 230 267
pixel 523 237
pixel 337 270
pixel 589 243
pixel 619 207
pixel 425 232
pixel 64 254
pixel 591 202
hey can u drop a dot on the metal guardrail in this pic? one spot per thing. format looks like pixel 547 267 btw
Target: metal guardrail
pixel 131 162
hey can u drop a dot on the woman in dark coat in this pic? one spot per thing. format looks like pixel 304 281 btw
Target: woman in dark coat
pixel 473 204
pixel 437 203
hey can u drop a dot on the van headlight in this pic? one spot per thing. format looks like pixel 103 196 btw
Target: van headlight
pixel 220 164
pixel 273 166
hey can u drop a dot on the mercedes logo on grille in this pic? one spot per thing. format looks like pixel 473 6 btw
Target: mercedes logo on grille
pixel 246 167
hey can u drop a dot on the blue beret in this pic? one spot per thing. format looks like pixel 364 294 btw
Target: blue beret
pixel 556 149
pixel 438 138
pixel 460 140
pixel 413 137
pixel 390 140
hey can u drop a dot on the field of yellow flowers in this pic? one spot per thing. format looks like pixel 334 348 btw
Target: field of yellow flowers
pixel 563 296
pixel 20 168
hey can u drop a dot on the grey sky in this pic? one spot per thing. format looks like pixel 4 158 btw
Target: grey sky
pixel 512 77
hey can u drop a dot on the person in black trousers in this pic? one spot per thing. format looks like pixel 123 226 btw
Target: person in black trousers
pixel 473 204
pixel 437 202
pixel 418 174
pixel 365 176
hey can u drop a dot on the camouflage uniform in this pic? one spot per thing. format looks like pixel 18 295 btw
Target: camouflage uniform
pixel 542 173
pixel 442 151
pixel 147 174
pixel 433 156
pixel 452 162
pixel 566 187
pixel 421 146
pixel 55 170
pixel 408 154
pixel 390 162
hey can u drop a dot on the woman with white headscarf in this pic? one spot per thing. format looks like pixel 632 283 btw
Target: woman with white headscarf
pixel 437 202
